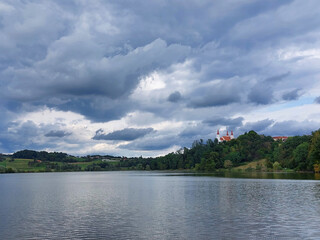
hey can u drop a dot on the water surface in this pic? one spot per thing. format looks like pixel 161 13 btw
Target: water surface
pixel 156 205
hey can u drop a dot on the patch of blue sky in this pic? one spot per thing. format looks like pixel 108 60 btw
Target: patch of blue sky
pixel 290 104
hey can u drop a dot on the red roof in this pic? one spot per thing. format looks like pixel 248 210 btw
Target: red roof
pixel 225 138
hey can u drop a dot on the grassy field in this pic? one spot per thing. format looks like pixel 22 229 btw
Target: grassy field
pixel 253 165
pixel 21 165
pixel 83 165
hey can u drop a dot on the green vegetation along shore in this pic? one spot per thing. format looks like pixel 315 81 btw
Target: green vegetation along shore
pixel 248 152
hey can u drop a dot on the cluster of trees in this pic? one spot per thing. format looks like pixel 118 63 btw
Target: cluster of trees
pixel 6 170
pixel 104 166
pixel 2 157
pixel 211 155
pixel 45 156
pixel 300 153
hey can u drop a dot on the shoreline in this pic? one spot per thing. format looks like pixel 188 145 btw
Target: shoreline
pixel 276 175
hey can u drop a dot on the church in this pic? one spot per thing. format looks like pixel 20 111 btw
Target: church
pixel 224 138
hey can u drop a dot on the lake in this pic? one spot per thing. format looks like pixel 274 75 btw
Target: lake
pixel 156 205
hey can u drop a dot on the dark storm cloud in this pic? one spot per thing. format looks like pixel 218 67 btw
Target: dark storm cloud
pixel 127 134
pixel 277 78
pixel 190 22
pixel 23 137
pixel 85 51
pixel 28 128
pixel 317 100
pixel 97 108
pixel 27 28
pixel 57 133
pixel 113 70
pixel 292 95
pixel 151 144
pixel 214 100
pixel 90 58
pixel 262 92
pixel 257 126
pixel 98 89
pixel 198 131
pixel 221 121
pixel 215 95
pixel 174 97
pixel 67 74
pixel 286 22
pixel 292 128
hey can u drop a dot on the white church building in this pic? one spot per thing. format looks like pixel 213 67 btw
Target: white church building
pixel 224 138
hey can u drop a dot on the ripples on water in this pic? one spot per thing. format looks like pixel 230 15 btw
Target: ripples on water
pixel 147 205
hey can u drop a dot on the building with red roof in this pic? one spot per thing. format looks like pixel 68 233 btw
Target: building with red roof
pixel 224 138
pixel 282 138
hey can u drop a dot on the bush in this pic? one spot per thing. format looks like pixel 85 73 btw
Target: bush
pixel 276 166
pixel 258 167
pixel 227 164
pixel 2 169
pixel 249 169
pixel 10 170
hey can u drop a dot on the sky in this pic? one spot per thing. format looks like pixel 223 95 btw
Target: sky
pixel 145 78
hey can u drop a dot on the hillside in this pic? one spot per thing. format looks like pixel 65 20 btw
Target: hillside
pixel 249 151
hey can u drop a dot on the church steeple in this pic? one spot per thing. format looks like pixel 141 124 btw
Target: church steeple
pixel 218 136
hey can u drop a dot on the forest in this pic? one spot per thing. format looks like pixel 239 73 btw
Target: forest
pixel 299 153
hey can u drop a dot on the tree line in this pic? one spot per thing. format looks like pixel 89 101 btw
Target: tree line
pixel 45 156
pixel 300 153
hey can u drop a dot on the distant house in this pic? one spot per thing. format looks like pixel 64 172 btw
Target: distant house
pixel 107 160
pixel 224 138
pixel 282 138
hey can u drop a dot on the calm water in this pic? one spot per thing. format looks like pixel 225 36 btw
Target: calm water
pixel 149 205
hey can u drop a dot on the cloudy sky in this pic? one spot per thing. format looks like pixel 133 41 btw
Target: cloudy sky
pixel 147 77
